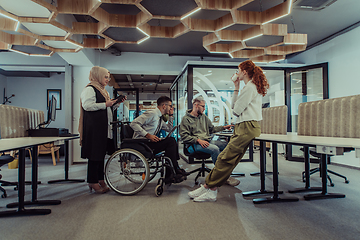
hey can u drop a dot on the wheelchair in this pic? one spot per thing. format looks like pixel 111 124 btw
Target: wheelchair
pixel 129 169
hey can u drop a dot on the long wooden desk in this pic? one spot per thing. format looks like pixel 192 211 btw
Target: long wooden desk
pixel 324 145
pixel 20 144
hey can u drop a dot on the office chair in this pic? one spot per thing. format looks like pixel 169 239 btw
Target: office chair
pixel 317 169
pixel 4 159
pixel 200 156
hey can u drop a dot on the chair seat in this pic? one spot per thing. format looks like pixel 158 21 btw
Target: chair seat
pixel 4 159
pixel 198 155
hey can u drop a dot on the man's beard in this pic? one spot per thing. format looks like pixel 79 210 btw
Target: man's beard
pixel 199 113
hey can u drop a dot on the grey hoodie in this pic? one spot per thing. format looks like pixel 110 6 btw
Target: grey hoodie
pixel 193 128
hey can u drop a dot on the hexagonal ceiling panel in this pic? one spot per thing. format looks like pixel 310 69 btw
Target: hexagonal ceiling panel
pixel 231 27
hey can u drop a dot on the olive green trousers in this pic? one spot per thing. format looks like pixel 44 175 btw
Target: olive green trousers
pixel 229 158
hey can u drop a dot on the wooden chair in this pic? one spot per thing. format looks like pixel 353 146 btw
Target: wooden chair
pixel 50 148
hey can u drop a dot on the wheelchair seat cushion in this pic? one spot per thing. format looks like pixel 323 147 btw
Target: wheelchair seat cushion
pixel 138 147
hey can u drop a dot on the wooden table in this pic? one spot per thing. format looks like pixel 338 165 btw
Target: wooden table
pixel 21 144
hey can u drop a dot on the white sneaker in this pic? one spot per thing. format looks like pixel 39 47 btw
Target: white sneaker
pixel 208 196
pixel 232 181
pixel 197 192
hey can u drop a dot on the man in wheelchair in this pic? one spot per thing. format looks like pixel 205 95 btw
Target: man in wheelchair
pixel 149 124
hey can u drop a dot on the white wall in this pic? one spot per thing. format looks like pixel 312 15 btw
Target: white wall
pixel 80 80
pixel 342 53
pixel 31 92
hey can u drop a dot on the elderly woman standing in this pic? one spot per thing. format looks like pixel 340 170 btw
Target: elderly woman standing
pixel 94 127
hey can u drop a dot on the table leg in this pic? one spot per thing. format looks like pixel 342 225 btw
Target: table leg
pixel 262 173
pixel 259 173
pixel 324 194
pixel 21 193
pixel 275 197
pixel 34 186
pixel 66 150
pixel 307 187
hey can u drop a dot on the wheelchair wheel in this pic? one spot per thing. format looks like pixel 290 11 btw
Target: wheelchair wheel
pixel 159 190
pixel 127 171
pixel 155 166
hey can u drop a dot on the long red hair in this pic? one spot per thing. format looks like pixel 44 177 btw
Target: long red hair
pixel 257 76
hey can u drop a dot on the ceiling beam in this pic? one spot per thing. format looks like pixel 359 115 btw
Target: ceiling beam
pixel 130 80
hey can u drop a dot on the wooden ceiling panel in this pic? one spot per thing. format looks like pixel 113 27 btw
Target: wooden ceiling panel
pixel 230 29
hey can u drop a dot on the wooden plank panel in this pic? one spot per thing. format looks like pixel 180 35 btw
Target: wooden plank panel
pixel 142 17
pixel 216 47
pixel 246 17
pixel 101 15
pixel 120 20
pixel 274 29
pixel 4 46
pixel 281 50
pixel 180 29
pixel 295 38
pixel 85 28
pixel 200 25
pixel 251 32
pixel 248 53
pixel 222 4
pixel 94 43
pixel 230 35
pixel 22 40
pixel 74 6
pixel 210 39
pixel 51 38
pixel 119 1
pixel 224 21
pixel 165 32
pixel 239 3
pixel 275 12
pixel 236 46
pixel 34 20
pixel 7 24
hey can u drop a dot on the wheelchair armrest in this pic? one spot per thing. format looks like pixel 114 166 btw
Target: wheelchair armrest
pixel 136 140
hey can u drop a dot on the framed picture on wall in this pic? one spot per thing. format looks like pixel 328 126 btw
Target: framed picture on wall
pixel 57 94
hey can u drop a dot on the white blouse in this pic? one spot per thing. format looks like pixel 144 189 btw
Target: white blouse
pixel 88 99
pixel 248 105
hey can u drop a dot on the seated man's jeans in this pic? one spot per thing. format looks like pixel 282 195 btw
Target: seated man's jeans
pixel 214 148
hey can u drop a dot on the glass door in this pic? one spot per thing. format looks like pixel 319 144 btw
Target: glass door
pixel 305 84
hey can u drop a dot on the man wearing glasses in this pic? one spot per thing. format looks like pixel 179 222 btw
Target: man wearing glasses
pixel 150 123
pixel 195 129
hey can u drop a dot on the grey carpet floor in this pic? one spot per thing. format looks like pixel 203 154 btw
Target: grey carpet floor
pixel 83 215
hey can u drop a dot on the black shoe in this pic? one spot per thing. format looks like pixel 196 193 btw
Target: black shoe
pixel 179 178
pixel 182 172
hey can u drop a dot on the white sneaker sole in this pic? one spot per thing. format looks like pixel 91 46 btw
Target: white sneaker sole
pixel 205 200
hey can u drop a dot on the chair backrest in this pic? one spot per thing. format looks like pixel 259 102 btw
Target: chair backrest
pixel 126 131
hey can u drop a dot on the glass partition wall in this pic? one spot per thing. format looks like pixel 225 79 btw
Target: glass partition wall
pixel 213 83
pixel 305 84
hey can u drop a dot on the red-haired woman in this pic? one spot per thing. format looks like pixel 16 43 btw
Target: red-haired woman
pixel 247 109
